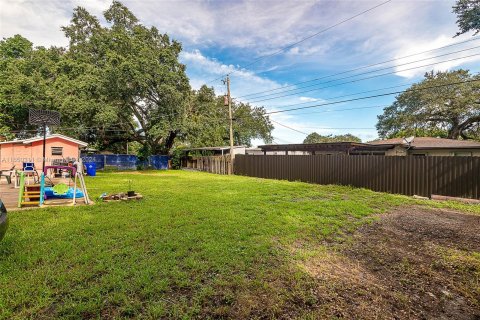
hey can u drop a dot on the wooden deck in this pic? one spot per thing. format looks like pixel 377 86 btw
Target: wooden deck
pixel 9 196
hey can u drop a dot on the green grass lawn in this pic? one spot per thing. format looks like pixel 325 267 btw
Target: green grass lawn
pixel 197 246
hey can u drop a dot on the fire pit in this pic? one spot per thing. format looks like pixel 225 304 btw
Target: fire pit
pixel 122 197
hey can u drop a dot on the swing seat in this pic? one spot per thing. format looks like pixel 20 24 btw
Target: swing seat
pixel 49 194
pixel 60 189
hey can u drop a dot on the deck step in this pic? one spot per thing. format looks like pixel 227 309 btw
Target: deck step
pixel 32 192
pixel 30 203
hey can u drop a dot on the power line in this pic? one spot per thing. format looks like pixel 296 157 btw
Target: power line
pixel 302 40
pixel 318 128
pixel 81 129
pixel 340 128
pixel 343 96
pixel 347 95
pixel 356 99
pixel 366 78
pixel 361 79
pixel 97 128
pixel 300 108
pixel 360 68
pixel 368 72
pixel 283 125
pixel 370 97
pixel 339 110
pixel 72 129
pixel 280 139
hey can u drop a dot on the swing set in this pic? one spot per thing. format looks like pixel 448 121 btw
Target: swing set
pixel 64 190
pixel 40 193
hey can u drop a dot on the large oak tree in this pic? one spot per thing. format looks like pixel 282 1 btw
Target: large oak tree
pixel 135 76
pixel 436 107
pixel 117 83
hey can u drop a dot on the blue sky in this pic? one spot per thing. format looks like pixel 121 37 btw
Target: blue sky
pixel 223 36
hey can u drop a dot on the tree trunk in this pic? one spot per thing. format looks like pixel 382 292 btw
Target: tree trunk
pixel 456 129
pixel 159 146
pixel 169 141
pixel 454 132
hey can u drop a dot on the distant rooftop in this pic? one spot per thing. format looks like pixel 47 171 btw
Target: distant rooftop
pixel 430 143
pixel 324 146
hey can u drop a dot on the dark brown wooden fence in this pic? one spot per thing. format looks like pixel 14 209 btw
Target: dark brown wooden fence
pixel 212 164
pixel 411 175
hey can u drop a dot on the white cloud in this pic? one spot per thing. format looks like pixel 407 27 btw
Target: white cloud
pixel 294 50
pixel 306 50
pixel 242 24
pixel 40 21
pixel 307 99
pixel 428 58
pixel 244 82
pixel 262 27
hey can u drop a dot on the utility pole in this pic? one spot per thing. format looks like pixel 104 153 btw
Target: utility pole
pixel 44 144
pixel 229 101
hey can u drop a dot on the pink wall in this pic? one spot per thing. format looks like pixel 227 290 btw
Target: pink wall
pixel 17 153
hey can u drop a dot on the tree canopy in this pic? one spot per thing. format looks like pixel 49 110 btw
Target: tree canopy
pixel 208 121
pixel 468 16
pixel 317 138
pixel 118 83
pixel 27 79
pixel 451 111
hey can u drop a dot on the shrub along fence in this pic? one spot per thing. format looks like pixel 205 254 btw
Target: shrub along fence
pixel 126 161
pixel 411 175
pixel 212 164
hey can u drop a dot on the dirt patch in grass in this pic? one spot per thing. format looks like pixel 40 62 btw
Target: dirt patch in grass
pixel 413 263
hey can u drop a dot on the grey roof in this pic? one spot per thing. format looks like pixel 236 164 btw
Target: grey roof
pixel 430 143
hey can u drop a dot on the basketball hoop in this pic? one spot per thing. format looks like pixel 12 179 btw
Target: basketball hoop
pixel 44 118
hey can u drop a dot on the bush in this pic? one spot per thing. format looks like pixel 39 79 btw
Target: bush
pixel 176 158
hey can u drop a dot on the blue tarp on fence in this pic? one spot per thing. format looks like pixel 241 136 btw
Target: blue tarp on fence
pixel 99 160
pixel 125 161
pixel 122 161
pixel 159 162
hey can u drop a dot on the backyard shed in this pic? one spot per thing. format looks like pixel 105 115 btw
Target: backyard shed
pixel 58 147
